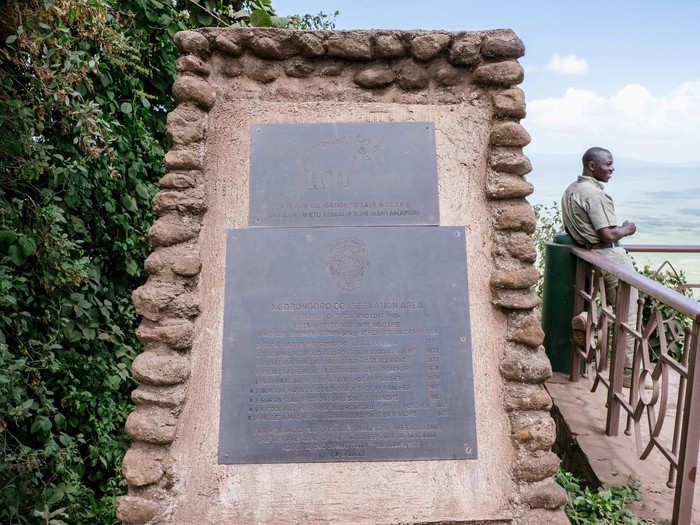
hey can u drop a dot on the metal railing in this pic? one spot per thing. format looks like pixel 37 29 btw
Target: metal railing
pixel 647 403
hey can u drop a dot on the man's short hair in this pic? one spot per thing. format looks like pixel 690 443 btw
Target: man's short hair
pixel 592 154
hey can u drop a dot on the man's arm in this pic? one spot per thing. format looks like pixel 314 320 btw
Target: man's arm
pixel 615 233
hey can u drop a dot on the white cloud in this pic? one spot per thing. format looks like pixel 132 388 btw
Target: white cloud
pixel 568 65
pixel 634 122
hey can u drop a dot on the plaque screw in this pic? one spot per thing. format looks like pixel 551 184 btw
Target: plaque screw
pixel 257 219
pixel 468 450
pixel 458 234
pixel 463 339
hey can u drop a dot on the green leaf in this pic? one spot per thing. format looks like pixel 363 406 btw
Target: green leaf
pixel 204 18
pixel 279 21
pixel 7 237
pixel 60 421
pixel 130 203
pixel 260 18
pixel 10 39
pixel 28 245
pixel 126 108
pixel 132 267
pixel 16 255
pixel 41 424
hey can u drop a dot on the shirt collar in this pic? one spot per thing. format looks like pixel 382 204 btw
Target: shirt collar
pixel 586 178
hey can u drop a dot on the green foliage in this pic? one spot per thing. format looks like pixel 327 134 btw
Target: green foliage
pixel 549 223
pixel 675 321
pixel 604 506
pixel 84 90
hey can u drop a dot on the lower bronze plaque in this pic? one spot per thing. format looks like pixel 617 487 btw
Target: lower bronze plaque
pixel 346 344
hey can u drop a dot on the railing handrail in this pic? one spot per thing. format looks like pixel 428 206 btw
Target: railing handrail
pixel 680 302
pixel 663 248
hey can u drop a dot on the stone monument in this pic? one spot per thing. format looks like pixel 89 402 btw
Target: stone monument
pixel 234 83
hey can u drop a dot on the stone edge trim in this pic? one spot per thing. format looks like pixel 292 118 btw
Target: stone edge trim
pixel 169 300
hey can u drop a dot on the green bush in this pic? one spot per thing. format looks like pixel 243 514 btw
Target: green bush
pixel 605 506
pixel 84 90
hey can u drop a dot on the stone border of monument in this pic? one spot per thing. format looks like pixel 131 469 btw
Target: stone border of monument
pixel 416 67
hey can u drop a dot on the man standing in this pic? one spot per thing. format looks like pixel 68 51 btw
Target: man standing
pixel 589 217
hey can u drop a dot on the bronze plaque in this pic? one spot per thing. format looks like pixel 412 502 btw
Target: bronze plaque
pixel 343 174
pixel 346 344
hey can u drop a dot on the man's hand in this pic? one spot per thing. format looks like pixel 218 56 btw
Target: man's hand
pixel 630 227
pixel 615 233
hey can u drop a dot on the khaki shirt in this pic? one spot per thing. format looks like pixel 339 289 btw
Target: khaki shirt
pixel 586 208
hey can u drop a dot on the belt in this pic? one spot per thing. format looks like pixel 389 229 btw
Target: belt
pixel 602 245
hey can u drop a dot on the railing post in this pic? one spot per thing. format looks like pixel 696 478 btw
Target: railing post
pixel 578 308
pixel 690 437
pixel 612 423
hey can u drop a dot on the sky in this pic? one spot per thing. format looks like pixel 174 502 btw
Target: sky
pixel 623 75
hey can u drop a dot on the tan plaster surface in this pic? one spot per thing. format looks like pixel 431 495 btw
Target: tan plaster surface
pixel 344 493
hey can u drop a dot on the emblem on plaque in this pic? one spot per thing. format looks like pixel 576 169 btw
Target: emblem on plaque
pixel 347 263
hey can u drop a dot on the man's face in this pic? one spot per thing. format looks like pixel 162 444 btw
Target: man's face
pixel 602 167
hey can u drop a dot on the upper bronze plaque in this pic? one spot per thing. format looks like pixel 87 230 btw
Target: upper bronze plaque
pixel 343 174
pixel 346 344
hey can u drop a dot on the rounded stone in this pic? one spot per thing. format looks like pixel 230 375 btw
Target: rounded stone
pixel 193 89
pixel 178 336
pixel 142 465
pixel 547 494
pixel 515 299
pixel 510 160
pixel 186 124
pixel 183 159
pixel 264 74
pixel 505 73
pixel 179 180
pixel 151 424
pixel 374 77
pixel 515 279
pixel 509 103
pixel 429 45
pixel 351 45
pixel 187 265
pixel 535 466
pixel 161 396
pixel 515 244
pixel 132 510
pixel 191 42
pixel 535 430
pixel 523 365
pixel 266 47
pixel 389 46
pixel 523 396
pixel 192 64
pixel 448 75
pixel 525 328
pixel 515 216
pixel 152 299
pixel 507 186
pixel 185 305
pixel 508 133
pixel 231 68
pixel 503 43
pixel 171 229
pixel 299 68
pixel 228 44
pixel 169 200
pixel 411 76
pixel 160 369
pixel 333 69
pixel 465 50
pixel 311 45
